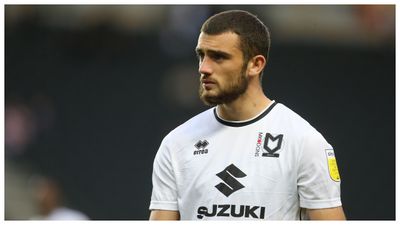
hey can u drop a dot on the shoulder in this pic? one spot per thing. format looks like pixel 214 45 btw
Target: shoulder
pixel 196 124
pixel 295 125
pixel 191 129
pixel 290 119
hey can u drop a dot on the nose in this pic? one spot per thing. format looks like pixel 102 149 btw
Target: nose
pixel 205 66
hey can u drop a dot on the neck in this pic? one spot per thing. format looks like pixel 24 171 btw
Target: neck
pixel 245 107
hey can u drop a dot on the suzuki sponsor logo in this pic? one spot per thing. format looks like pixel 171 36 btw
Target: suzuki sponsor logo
pixel 244 211
pixel 230 184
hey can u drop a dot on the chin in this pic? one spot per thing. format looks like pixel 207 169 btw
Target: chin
pixel 209 97
pixel 210 100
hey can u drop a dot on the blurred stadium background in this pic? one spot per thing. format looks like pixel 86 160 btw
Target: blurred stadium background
pixel 90 91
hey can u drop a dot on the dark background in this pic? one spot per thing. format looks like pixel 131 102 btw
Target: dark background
pixel 108 103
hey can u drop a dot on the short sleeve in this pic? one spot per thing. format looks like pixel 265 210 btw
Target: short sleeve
pixel 318 176
pixel 164 193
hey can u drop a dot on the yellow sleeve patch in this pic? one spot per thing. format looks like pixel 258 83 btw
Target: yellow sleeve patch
pixel 332 165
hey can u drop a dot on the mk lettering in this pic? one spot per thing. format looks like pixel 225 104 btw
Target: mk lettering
pixel 259 143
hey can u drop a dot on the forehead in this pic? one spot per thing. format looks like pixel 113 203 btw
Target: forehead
pixel 228 42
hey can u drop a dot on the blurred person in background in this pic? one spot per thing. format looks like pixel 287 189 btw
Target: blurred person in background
pixel 48 195
pixel 20 129
pixel 26 121
pixel 248 157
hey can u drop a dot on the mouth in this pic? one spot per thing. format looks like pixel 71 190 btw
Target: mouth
pixel 207 83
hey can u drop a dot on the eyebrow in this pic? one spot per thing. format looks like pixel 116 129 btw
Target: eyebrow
pixel 214 52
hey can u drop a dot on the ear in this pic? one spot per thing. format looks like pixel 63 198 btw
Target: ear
pixel 256 65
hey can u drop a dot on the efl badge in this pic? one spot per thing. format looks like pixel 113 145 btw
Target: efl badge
pixel 272 144
pixel 332 166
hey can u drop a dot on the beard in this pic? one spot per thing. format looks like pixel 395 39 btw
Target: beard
pixel 233 90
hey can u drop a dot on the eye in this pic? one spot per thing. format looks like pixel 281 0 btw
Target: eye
pixel 218 56
pixel 200 56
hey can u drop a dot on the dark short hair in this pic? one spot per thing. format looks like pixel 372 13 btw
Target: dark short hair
pixel 254 35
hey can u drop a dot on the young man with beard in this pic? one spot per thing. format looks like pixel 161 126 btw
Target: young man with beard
pixel 248 157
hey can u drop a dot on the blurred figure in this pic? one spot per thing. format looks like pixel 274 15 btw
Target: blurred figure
pixel 376 20
pixel 26 120
pixel 20 128
pixel 49 197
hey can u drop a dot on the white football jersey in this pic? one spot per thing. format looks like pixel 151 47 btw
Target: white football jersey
pixel 268 167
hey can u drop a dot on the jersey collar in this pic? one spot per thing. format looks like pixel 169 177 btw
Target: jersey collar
pixel 246 122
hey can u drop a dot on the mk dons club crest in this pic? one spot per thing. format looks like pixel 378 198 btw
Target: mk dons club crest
pixel 268 145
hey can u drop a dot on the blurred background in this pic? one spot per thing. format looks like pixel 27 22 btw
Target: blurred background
pixel 90 92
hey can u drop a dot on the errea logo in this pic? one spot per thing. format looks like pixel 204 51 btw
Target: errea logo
pixel 201 147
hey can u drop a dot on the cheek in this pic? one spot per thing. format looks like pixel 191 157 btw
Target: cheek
pixel 227 73
pixel 232 74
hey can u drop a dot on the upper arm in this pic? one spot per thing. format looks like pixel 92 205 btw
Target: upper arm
pixel 335 213
pixel 318 178
pixel 164 215
pixel 164 193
